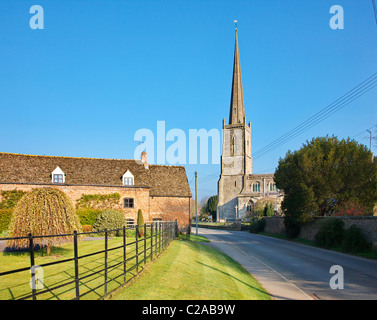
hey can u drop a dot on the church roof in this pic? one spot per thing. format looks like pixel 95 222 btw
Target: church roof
pixel 237 108
pixel 34 169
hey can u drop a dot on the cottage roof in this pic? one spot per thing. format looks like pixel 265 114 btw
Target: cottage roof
pixel 162 180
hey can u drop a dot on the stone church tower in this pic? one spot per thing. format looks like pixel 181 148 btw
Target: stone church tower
pixel 238 188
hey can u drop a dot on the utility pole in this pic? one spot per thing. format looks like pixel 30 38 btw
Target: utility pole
pixel 196 201
pixel 370 140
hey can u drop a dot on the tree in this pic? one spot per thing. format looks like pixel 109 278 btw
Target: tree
pixel 212 207
pixel 325 174
pixel 140 223
pixel 43 211
pixel 268 210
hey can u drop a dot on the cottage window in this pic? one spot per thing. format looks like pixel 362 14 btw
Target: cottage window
pixel 128 203
pixel 130 222
pixel 58 176
pixel 128 179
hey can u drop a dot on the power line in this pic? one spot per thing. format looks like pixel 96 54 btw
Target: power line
pixel 374 9
pixel 324 113
pixel 340 103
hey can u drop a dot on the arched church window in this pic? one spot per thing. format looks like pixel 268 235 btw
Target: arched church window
pixel 256 186
pixel 232 146
pixel 250 206
pixel 273 187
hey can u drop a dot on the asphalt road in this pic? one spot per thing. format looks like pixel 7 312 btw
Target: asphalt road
pixel 292 271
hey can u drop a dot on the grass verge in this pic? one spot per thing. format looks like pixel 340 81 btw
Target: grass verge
pixel 189 270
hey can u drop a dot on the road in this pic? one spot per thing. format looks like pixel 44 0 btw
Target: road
pixel 292 271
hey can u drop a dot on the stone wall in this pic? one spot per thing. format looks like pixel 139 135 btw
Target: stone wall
pixel 165 208
pixel 368 225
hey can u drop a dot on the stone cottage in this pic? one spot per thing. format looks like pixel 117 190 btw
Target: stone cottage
pixel 161 192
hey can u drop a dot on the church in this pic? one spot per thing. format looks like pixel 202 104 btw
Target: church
pixel 239 190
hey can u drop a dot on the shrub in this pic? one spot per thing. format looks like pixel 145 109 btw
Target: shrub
pixel 258 225
pixel 110 219
pixel 355 241
pixel 268 210
pixel 5 217
pixel 88 216
pixel 45 211
pixel 292 228
pixel 140 223
pixel 330 233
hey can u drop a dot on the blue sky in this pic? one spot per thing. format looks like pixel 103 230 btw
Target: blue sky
pixel 101 70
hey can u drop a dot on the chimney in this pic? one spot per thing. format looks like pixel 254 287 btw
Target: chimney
pixel 144 159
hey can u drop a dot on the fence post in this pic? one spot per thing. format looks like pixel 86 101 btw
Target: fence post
pixel 124 254
pixel 76 259
pixel 151 241
pixel 159 238
pixel 137 248
pixel 32 263
pixel 176 228
pixel 145 244
pixel 105 262
pixel 156 240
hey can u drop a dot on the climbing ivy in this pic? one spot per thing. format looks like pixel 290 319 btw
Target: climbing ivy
pixel 98 200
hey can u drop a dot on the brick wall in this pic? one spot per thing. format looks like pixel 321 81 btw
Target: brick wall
pixel 171 208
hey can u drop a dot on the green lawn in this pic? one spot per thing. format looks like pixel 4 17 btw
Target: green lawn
pixel 16 286
pixel 189 270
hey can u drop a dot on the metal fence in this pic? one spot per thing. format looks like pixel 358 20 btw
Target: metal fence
pixel 130 260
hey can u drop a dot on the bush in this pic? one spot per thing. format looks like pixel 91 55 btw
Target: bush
pixel 5 217
pixel 355 241
pixel 88 216
pixel 258 225
pixel 140 223
pixel 110 219
pixel 292 228
pixel 330 233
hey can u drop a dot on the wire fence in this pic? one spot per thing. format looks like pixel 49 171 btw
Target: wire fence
pixel 112 261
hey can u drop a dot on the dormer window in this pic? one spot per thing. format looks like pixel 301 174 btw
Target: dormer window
pixel 58 176
pixel 128 179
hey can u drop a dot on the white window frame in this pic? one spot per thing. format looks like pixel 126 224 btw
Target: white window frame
pixel 56 172
pixel 128 179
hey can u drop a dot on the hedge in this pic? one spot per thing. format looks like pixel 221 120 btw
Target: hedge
pixel 88 216
pixel 5 216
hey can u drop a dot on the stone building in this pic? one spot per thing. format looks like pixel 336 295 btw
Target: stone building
pixel 238 188
pixel 161 192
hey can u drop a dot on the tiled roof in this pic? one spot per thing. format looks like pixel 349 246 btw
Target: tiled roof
pixel 162 180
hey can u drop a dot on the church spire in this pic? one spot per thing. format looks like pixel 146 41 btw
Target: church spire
pixel 237 109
